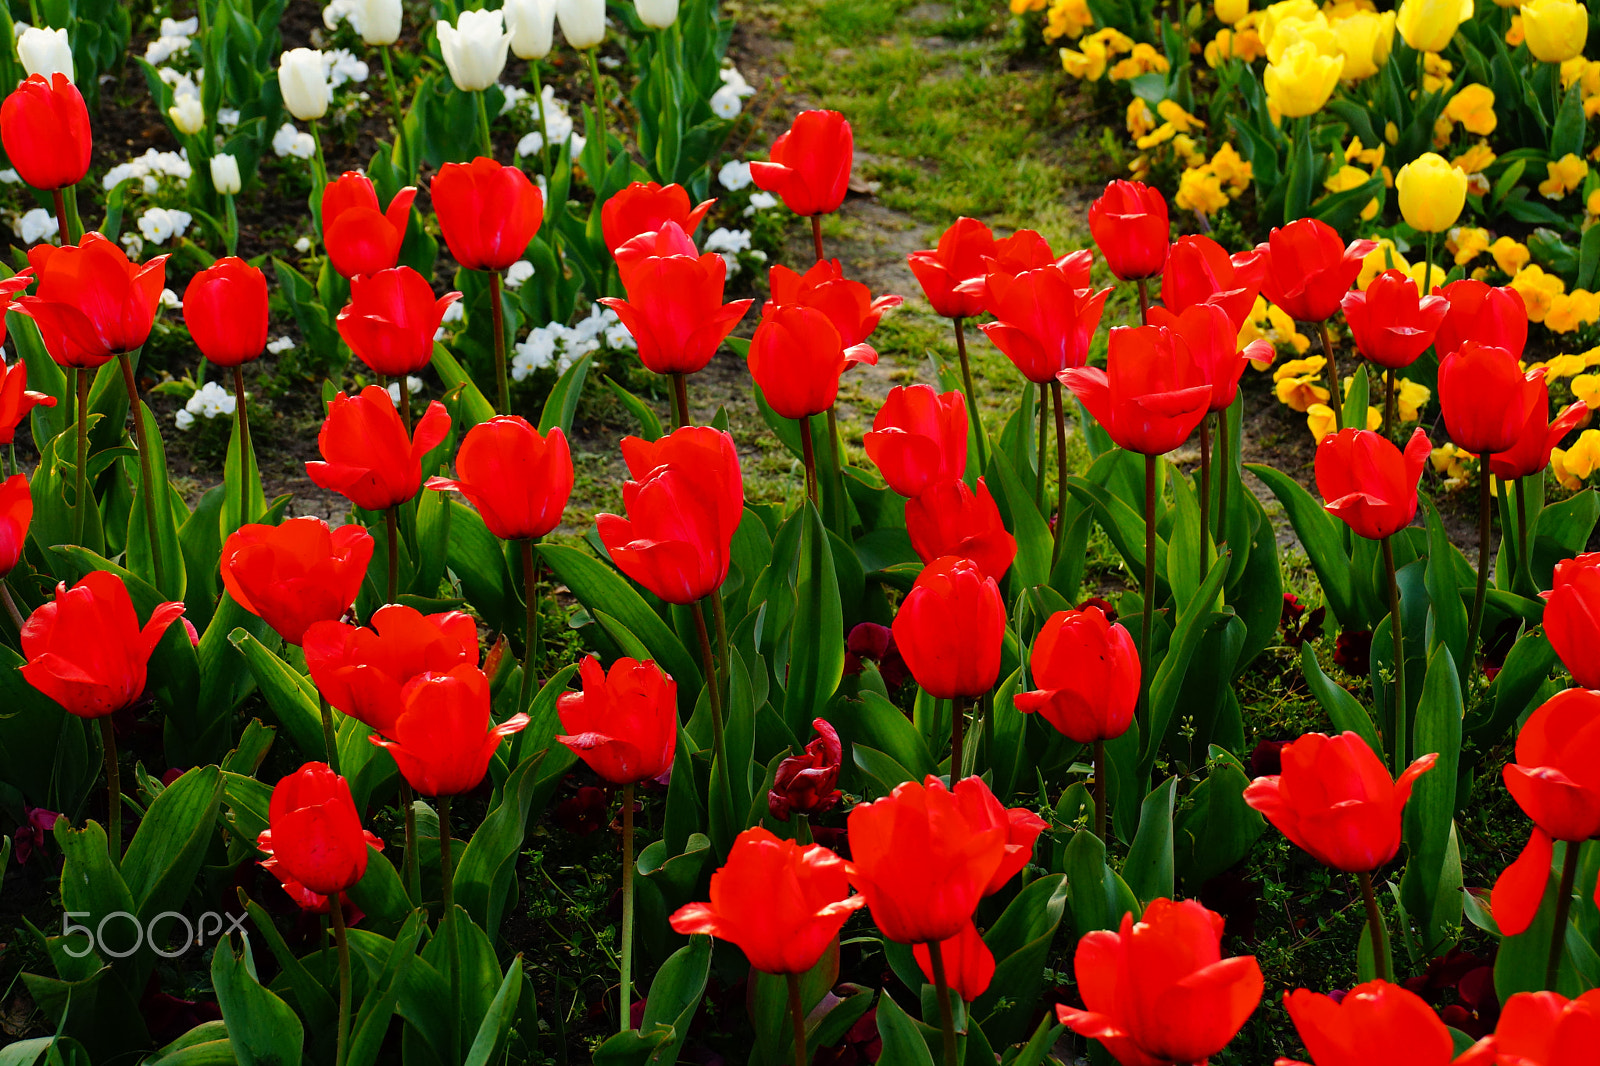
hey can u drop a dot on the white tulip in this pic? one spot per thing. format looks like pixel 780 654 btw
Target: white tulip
pixel 45 52
pixel 303 80
pixel 378 21
pixel 532 25
pixel 475 49
pixel 225 174
pixel 657 14
pixel 187 114
pixel 583 22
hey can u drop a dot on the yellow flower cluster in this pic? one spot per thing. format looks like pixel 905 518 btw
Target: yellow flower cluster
pixel 1572 466
pixel 1546 297
pixel 1565 366
pixel 1269 322
pixel 1207 186
pixel 1473 108
pixel 1565 175
pixel 1455 465
pixel 1067 18
pixel 1410 398
pixel 1385 256
pixel 1298 383
pixel 1467 243
pixel 1242 43
pixel 1098 49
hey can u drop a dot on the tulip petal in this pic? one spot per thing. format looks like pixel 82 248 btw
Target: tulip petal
pixel 1519 891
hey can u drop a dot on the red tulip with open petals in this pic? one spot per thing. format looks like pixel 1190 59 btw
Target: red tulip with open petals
pixel 1199 271
pixel 1151 395
pixel 1129 225
pixel 362 670
pixel 848 304
pixel 314 837
pixel 517 478
pixel 17 400
pixel 624 723
pixel 797 358
pixel 444 738
pixel 645 207
pixel 487 212
pixel 1087 670
pixel 1045 321
pixel 1390 322
pixel 1374 1024
pixel 1212 341
pixel 1556 776
pixel 16 515
pixel 367 457
pixel 918 438
pixel 1485 397
pixel 674 308
pixel 1572 617
pixel 1368 483
pixel 810 163
pixel 1538 438
pixel 44 126
pixel 1309 268
pixel 1540 1029
pixel 391 320
pixel 86 650
pixel 806 783
pixel 958 259
pixel 225 308
pixel 297 573
pixel 1481 312
pixel 949 518
pixel 91 303
pixel 361 239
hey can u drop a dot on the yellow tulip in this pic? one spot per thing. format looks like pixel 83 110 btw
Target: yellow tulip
pixel 1428 25
pixel 1231 11
pixel 1432 193
pixel 1365 39
pixel 1302 80
pixel 1275 14
pixel 1555 29
pixel 1292 31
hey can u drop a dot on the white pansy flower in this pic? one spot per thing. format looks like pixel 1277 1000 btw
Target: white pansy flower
pixel 281 345
pixel 734 175
pixel 36 225
pixel 517 273
pixel 170 301
pixel 413 386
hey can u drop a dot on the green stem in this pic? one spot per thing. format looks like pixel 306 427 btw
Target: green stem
pixel 1524 557
pixel 1061 472
pixel 627 907
pixel 941 988
pixel 1100 789
pixel 448 899
pixel 1402 729
pixel 408 803
pixel 809 456
pixel 1331 369
pixel 11 606
pixel 599 105
pixel 1044 438
pixel 232 234
pixel 1558 935
pixel 241 412
pixel 1388 403
pixel 680 399
pixel 63 235
pixel 341 939
pixel 958 731
pixel 720 620
pixel 797 1018
pixel 501 384
pixel 544 129
pixel 1380 935
pixel 531 636
pixel 391 529
pixel 816 236
pixel 327 734
pixel 1427 267
pixel 147 477
pixel 82 503
pixel 1149 588
pixel 404 388
pixel 319 166
pixel 394 106
pixel 1475 624
pixel 972 395
pixel 709 660
pixel 1205 495
pixel 839 504
pixel 108 741
pixel 487 142
pixel 1144 301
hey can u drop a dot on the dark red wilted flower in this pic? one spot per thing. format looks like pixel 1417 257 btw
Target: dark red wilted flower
pixel 583 812
pixel 1309 268
pixel 1352 651
pixel 806 783
pixel 810 163
pixel 44 126
pixel 1266 758
pixel 91 303
pixel 645 207
pixel 367 457
pixel 963 247
pixel 868 640
pixel 225 308
pixel 391 319
pixel 360 238
pixel 30 835
pixel 487 212
pixel 1129 226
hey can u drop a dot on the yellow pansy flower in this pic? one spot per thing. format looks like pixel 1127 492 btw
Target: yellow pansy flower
pixel 1536 289
pixel 1232 169
pixel 1140 119
pixel 1586 387
pixel 1144 59
pixel 1410 398
pixel 1426 276
pixel 1186 149
pixel 1592 204
pixel 1466 243
pixel 1573 466
pixel 1473 107
pixel 1565 175
pixel 1019 7
pixel 1087 65
pixel 1475 160
pixel 1185 122
pixel 1509 255
pixel 1271 323
pixel 1200 191
pixel 1300 393
pixel 1356 152
pixel 1299 368
pixel 1067 18
pixel 1385 256
pixel 1115 41
pixel 1320 421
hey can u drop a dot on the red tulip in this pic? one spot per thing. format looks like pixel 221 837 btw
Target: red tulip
pixel 1486 399
pixel 362 671
pixel 810 167
pixel 297 573
pixel 1572 617
pixel 949 630
pixel 1045 322
pixel 848 304
pixel 949 518
pixel 1022 828
pixel 225 308
pixel 367 457
pixel 91 303
pixel 968 963
pixel 923 857
pixel 1129 226
pixel 918 437
pixel 1531 454
pixel 443 740
pixel 1309 269
pixel 315 839
pixel 1159 991
pixel 44 126
pixel 1368 483
pixel 1390 323
pixel 1540 1029
pixel 488 213
pixel 518 479
pixel 16 400
pixel 959 258
pixel 685 499
pixel 1212 341
pixel 361 239
pixel 1483 313
pixel 1199 271
pixel 16 515
pixel 782 904
pixel 86 650
pixel 1087 670
pixel 807 783
pixel 797 357
pixel 1026 250
pixel 624 724
pixel 674 308
pixel 1519 890
pixel 1375 1024
pixel 645 207
pixel 1556 778
pixel 391 319
pixel 1335 800
pixel 1151 395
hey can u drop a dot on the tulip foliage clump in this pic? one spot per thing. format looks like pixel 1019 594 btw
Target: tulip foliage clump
pixel 887 774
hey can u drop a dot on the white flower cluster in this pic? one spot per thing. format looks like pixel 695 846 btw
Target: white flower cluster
pixel 291 141
pixel 557 121
pixel 36 225
pixel 174 38
pixel 342 11
pixel 170 300
pixel 210 400
pixel 413 386
pixel 728 101
pixel 160 223
pixel 340 65
pixel 734 175
pixel 559 346
pixel 516 274
pixel 760 201
pixel 514 96
pixel 729 243
pixel 281 345
pixel 149 169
